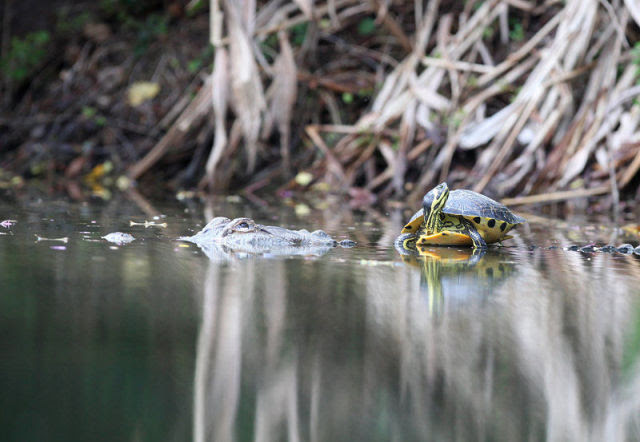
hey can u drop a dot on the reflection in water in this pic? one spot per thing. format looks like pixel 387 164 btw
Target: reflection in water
pixel 153 341
pixel 221 252
pixel 456 276
pixel 451 346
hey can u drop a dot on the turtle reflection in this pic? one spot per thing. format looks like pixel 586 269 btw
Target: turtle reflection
pixel 452 277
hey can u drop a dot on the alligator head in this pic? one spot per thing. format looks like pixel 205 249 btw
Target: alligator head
pixel 245 235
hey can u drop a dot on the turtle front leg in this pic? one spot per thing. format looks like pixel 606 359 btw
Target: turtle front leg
pixel 478 240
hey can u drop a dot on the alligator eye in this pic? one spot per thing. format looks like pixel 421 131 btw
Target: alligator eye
pixel 243 225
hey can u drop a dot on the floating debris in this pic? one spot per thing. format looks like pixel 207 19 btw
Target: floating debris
pixel 302 209
pixel 233 199
pixel 41 238
pixel 185 194
pixel 625 248
pixel 590 248
pixel 8 223
pixel 119 238
pixel 147 224
pixel 304 179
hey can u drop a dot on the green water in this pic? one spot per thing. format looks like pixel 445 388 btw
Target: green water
pixel 154 341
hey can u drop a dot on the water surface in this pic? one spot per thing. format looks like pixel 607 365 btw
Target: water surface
pixel 155 341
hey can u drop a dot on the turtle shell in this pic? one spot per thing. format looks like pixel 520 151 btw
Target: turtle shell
pixel 468 204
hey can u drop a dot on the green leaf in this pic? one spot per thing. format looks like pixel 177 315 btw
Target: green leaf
pixel 89 112
pixel 517 32
pixel 366 26
pixel 194 65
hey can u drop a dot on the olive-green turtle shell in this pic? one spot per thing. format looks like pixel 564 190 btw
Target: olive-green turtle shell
pixel 470 205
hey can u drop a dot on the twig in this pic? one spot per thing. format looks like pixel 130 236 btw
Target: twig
pixel 392 25
pixel 631 171
pixel 419 149
pixel 569 75
pixel 555 196
pixel 521 4
pixel 319 11
pixel 507 146
pixel 198 107
pixel 524 51
pixel 334 164
pixel 456 65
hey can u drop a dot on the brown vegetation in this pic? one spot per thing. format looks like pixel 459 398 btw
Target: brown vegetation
pixel 389 97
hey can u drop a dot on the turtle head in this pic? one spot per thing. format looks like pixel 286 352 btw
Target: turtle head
pixel 435 199
pixel 433 203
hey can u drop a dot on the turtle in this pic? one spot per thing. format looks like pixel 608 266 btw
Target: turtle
pixel 459 217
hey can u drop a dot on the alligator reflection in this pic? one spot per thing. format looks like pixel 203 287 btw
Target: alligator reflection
pixel 221 252
pixel 326 350
pixel 453 277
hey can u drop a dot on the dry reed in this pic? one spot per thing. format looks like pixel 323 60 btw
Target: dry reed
pixel 503 96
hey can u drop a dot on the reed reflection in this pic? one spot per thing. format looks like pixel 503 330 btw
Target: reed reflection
pixel 511 345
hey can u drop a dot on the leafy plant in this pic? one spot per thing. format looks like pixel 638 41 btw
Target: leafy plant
pixel 366 26
pixel 517 32
pixel 205 57
pixel 67 22
pixel 25 55
pixel 138 17
pixel 299 33
pixel 149 30
pixel 347 97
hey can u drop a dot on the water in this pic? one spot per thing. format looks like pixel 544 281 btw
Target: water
pixel 154 341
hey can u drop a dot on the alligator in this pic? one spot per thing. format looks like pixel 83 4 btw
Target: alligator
pixel 222 237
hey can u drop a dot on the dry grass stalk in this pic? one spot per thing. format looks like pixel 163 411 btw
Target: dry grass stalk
pixel 220 94
pixel 284 90
pixel 513 113
pixel 246 86
pixel 516 142
pixel 555 196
